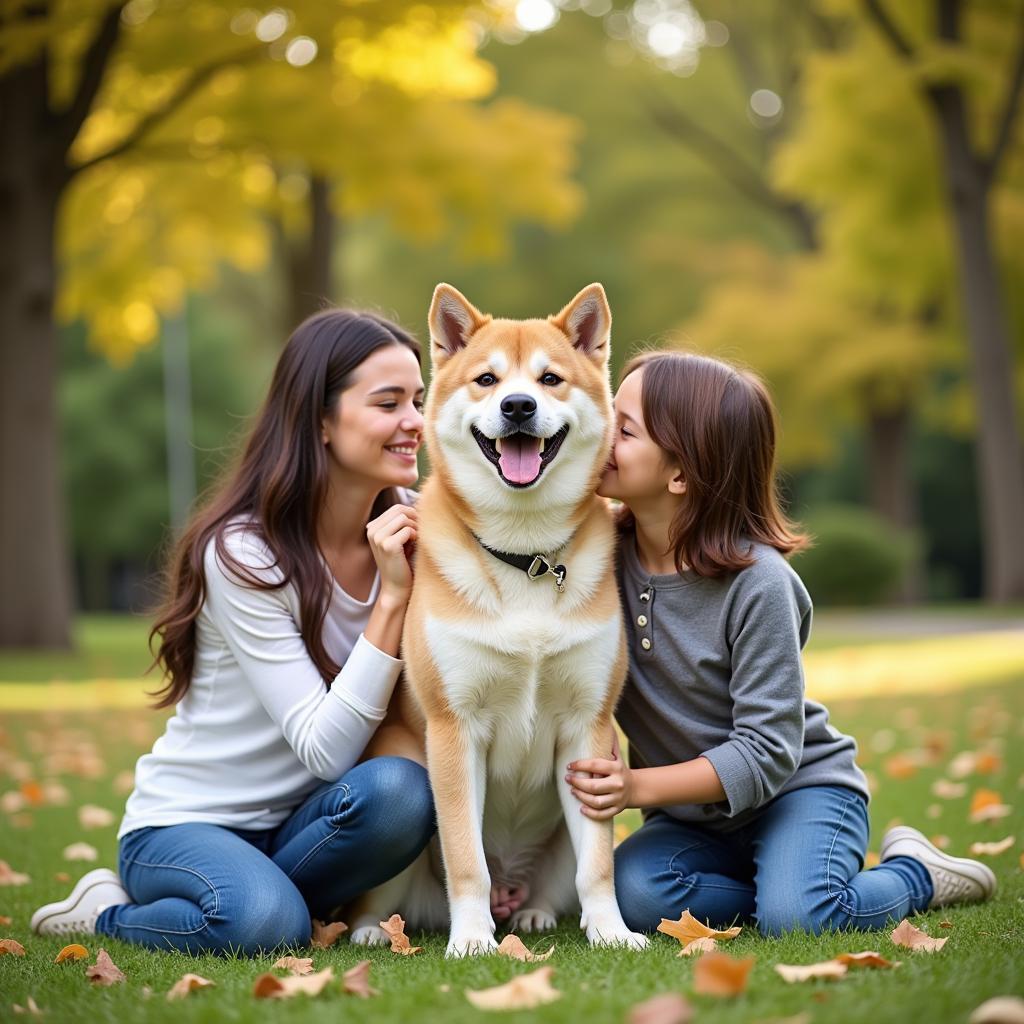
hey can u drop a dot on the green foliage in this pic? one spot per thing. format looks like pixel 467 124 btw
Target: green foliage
pixel 857 557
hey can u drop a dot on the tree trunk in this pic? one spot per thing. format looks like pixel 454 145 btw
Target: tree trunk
pixel 890 486
pixel 35 599
pixel 1001 456
pixel 309 258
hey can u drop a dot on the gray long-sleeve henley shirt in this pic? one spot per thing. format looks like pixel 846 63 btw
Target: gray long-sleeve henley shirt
pixel 715 670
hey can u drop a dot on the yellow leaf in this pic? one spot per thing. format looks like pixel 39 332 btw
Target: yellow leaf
pixel 688 928
pixel 72 952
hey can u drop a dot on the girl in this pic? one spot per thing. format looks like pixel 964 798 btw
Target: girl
pixel 279 641
pixel 754 805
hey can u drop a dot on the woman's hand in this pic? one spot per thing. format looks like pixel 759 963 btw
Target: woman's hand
pixel 392 538
pixel 610 789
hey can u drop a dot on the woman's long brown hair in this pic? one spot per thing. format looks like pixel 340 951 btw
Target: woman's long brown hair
pixel 717 423
pixel 278 487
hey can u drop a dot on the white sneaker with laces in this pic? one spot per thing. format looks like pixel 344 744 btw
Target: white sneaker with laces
pixel 954 879
pixel 92 894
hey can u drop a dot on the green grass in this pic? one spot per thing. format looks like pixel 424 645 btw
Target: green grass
pixel 984 956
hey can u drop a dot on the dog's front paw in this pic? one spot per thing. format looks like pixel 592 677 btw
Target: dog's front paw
pixel 615 934
pixel 370 935
pixel 466 945
pixel 532 919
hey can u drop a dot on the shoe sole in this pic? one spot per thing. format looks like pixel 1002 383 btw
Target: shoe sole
pixel 980 873
pixel 100 876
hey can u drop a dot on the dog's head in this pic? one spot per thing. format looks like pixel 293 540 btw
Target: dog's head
pixel 519 407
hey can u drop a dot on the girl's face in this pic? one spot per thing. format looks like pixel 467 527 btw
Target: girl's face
pixel 377 425
pixel 637 472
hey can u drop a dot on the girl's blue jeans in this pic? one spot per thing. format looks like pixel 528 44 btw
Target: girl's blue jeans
pixel 798 865
pixel 200 888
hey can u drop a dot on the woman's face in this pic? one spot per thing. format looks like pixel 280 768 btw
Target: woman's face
pixel 637 471
pixel 377 425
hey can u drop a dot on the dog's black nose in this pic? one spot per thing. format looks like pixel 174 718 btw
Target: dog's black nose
pixel 518 408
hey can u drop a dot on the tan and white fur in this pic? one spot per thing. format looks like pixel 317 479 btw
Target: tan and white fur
pixel 506 679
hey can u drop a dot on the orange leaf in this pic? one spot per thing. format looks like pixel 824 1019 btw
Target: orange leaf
pixel 356 981
pixel 269 986
pixel 797 972
pixel 688 928
pixel 294 964
pixel 72 952
pixel 521 993
pixel 104 971
pixel 5 920
pixel 33 793
pixel 987 763
pixel 718 974
pixel 514 947
pixel 395 928
pixel 866 959
pixel 906 935
pixel 11 947
pixel 701 945
pixel 326 935
pixel 185 984
pixel 8 876
pixel 900 766
pixel 992 849
pixel 668 1008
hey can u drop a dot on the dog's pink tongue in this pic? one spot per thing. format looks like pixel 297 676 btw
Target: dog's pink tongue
pixel 520 458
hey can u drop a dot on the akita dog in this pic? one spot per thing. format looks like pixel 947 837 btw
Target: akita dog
pixel 513 643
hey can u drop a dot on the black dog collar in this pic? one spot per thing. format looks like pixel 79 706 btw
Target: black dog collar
pixel 535 566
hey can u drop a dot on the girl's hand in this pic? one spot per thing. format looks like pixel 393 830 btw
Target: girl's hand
pixel 392 538
pixel 609 791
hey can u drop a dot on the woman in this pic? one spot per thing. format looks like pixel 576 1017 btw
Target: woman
pixel 279 643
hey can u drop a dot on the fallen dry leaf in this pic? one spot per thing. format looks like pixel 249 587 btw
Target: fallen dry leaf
pixel 8 876
pixel 992 849
pixel 326 935
pixel 668 1008
pixel 988 763
pixel 104 971
pixel 945 924
pixel 514 947
pixel 946 790
pixel 395 928
pixel 906 935
pixel 5 920
pixel 269 986
pixel 124 782
pixel 185 984
pixel 33 793
pixel 999 1010
pixel 987 805
pixel 72 952
pixel 688 928
pixel 356 981
pixel 91 816
pixel 80 851
pixel 718 974
pixel 30 1008
pixel 521 993
pixel 11 947
pixel 941 841
pixel 701 945
pixel 900 766
pixel 61 876
pixel 866 959
pixel 962 765
pixel 294 964
pixel 797 972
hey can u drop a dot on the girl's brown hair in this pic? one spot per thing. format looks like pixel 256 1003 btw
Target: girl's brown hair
pixel 717 423
pixel 278 488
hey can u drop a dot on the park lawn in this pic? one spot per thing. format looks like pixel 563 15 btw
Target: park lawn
pixel 907 742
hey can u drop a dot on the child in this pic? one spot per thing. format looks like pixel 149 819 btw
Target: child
pixel 754 805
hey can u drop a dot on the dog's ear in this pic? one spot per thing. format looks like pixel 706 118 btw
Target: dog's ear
pixel 453 321
pixel 587 321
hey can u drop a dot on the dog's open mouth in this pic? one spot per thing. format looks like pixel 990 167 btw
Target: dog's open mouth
pixel 520 458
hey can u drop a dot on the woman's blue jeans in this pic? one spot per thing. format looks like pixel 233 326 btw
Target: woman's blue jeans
pixel 797 866
pixel 201 888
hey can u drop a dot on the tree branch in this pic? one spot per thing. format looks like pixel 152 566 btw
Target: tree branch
pixel 146 124
pixel 94 68
pixel 1011 105
pixel 880 17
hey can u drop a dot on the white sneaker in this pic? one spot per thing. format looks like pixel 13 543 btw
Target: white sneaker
pixel 954 879
pixel 92 894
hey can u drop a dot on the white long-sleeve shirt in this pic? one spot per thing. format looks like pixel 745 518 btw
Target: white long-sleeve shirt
pixel 258 730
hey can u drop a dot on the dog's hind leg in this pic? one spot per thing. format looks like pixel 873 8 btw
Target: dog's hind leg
pixel 553 891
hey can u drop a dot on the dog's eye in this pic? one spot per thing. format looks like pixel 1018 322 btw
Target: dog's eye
pixel 551 379
pixel 486 380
